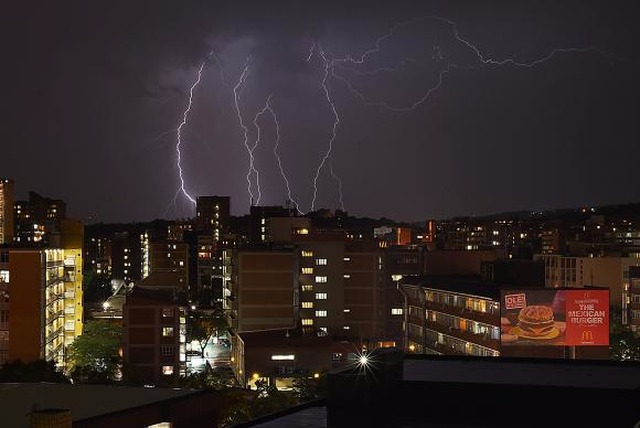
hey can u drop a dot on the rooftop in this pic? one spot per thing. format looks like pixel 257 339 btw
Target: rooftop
pixel 84 401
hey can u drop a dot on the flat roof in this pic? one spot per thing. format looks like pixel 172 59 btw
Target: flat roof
pixel 282 337
pixel 84 401
pixel 310 417
pixel 543 372
pixel 457 284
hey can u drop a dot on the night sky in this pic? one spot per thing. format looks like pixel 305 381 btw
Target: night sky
pixel 439 108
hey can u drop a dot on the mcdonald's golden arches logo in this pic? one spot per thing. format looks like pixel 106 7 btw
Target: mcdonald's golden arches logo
pixel 586 336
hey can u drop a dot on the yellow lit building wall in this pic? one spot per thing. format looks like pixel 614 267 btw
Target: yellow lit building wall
pixel 54 291
pixel 73 308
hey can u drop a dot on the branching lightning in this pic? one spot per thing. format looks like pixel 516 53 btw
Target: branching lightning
pixel 255 145
pixel 185 114
pixel 327 67
pixel 237 91
pixel 343 70
pixel 342 63
pixel 276 153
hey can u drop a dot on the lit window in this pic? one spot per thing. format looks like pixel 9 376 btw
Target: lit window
pixel 307 270
pixel 346 327
pixel 167 312
pixel 288 357
pixel 307 287
pixel 346 311
pixel 307 253
pixel 167 370
pixel 307 321
pixel 347 259
pixel 321 279
pixel 396 311
pixel 321 262
pixel 321 314
pixel 321 296
pixel 346 275
pixel 167 331
pixel 307 305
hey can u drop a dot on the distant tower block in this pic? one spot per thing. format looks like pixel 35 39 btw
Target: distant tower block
pixel 6 211
pixel 212 215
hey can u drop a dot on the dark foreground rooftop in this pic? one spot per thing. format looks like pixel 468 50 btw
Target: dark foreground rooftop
pixel 100 405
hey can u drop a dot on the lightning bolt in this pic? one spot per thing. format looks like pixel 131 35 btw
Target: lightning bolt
pixel 237 91
pixel 255 145
pixel 334 127
pixel 343 63
pixel 351 64
pixel 343 70
pixel 268 108
pixel 335 177
pixel 185 114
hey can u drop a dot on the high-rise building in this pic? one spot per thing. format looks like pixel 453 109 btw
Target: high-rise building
pixel 610 272
pixel 41 305
pixel 38 218
pixel 154 335
pixel 211 227
pixel 261 289
pixel 212 215
pixel 341 286
pixel 170 257
pixel 6 211
pixel 634 298
pixel 261 228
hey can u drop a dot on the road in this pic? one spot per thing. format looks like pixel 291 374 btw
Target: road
pixel 216 354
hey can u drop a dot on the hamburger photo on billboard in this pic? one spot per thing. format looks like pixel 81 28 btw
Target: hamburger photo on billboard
pixel 536 322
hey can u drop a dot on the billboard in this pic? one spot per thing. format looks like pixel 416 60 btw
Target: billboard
pixel 560 317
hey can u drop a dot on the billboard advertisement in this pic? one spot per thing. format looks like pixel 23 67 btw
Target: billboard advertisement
pixel 561 317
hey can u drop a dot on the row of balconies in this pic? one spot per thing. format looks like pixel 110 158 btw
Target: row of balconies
pixel 475 338
pixel 484 317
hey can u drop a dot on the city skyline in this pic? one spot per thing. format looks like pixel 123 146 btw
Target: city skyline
pixel 411 111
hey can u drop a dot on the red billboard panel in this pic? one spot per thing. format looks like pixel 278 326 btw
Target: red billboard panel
pixel 577 317
pixel 587 317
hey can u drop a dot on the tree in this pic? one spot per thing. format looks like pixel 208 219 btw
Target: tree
pixel 95 355
pixel 271 400
pixel 206 324
pixel 206 379
pixel 35 371
pixel 308 388
pixel 624 345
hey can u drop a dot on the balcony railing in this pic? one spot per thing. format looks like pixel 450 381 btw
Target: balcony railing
pixel 475 338
pixel 484 317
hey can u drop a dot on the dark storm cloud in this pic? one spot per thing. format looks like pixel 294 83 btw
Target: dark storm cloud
pixel 93 92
